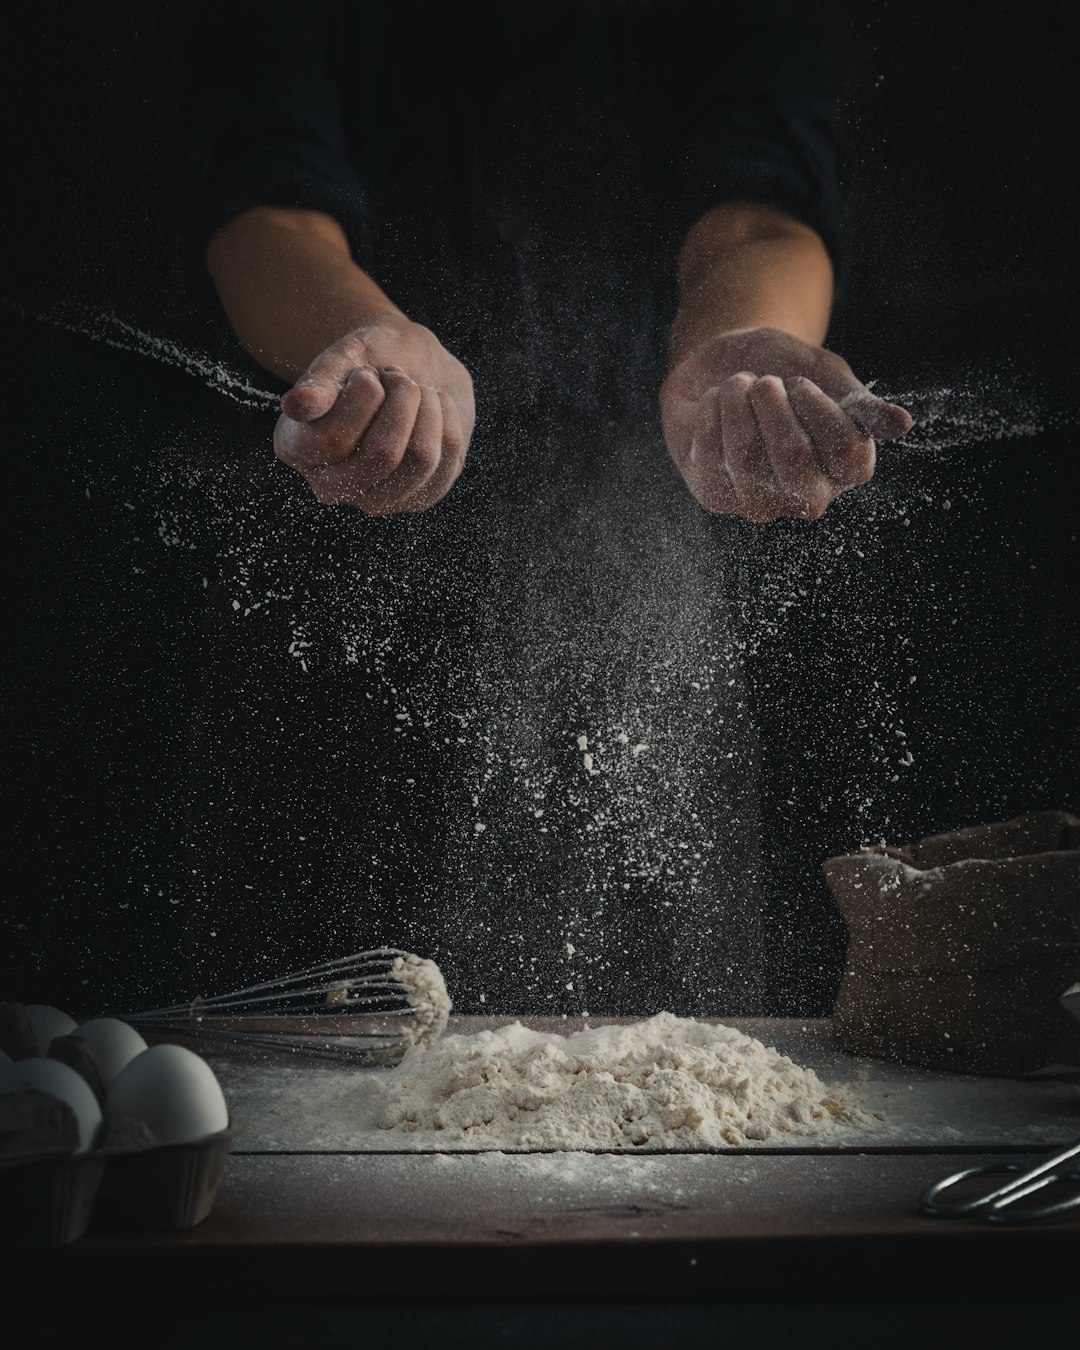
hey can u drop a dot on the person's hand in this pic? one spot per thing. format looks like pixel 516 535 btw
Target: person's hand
pixel 380 420
pixel 761 424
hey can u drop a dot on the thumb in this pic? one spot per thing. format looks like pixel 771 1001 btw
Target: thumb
pixel 878 418
pixel 317 390
pixel 310 397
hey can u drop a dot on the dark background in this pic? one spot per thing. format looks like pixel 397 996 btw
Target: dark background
pixel 958 269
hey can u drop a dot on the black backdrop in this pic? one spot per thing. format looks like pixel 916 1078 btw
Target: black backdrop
pixel 959 270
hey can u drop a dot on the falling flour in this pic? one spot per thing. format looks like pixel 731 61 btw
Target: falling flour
pixel 665 1083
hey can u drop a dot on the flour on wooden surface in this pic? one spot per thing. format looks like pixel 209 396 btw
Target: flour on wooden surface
pixel 668 1082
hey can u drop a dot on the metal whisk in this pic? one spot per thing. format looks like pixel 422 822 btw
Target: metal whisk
pixel 368 1008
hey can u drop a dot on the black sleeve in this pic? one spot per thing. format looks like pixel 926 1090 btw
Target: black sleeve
pixel 739 100
pixel 265 121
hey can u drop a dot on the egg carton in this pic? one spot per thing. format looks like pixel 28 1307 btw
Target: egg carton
pixel 165 1186
pixel 960 944
pixel 50 1192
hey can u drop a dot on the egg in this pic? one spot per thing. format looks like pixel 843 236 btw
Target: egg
pixel 174 1091
pixel 49 1075
pixel 114 1044
pixel 46 1024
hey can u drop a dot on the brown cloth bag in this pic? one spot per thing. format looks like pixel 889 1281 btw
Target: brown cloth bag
pixel 961 945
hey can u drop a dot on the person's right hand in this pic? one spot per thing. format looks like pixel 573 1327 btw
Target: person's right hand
pixel 380 420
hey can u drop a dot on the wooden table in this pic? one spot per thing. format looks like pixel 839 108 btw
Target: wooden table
pixel 306 1211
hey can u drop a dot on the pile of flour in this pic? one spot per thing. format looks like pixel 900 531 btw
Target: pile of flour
pixel 668 1082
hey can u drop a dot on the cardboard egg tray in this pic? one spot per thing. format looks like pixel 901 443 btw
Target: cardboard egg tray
pixel 49 1194
pixel 51 1200
pixel 961 946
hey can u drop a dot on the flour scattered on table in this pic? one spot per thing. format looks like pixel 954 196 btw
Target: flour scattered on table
pixel 668 1082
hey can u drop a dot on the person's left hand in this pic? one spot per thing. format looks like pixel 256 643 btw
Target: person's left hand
pixel 761 424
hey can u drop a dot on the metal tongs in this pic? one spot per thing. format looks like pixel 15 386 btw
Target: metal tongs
pixel 1001 1204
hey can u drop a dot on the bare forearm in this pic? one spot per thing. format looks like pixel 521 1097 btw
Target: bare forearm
pixel 748 266
pixel 289 285
pixel 760 419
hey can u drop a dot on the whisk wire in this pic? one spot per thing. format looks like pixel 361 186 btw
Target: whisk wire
pixel 359 998
pixel 237 997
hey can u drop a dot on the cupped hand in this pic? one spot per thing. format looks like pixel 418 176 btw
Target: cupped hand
pixel 380 420
pixel 764 425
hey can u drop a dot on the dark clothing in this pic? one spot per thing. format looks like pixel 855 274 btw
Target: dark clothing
pixel 456 127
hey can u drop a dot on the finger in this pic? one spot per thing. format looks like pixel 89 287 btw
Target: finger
pixel 704 466
pixel 879 418
pixel 334 436
pixel 843 449
pixel 381 449
pixel 387 438
pixel 420 462
pixel 315 392
pixel 744 451
pixel 804 489
pixel 451 459
pixel 873 415
pixel 455 437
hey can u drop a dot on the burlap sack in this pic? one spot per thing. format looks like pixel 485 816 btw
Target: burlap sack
pixel 961 945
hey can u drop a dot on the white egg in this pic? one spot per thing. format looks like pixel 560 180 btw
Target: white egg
pixel 47 1023
pixel 49 1075
pixel 114 1043
pixel 174 1091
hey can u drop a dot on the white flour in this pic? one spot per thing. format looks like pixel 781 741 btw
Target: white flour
pixel 426 991
pixel 668 1082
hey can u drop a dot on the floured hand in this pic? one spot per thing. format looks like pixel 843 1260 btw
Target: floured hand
pixel 763 425
pixel 380 420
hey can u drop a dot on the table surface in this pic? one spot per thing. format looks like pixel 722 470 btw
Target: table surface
pixel 334 1206
pixel 292 1105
